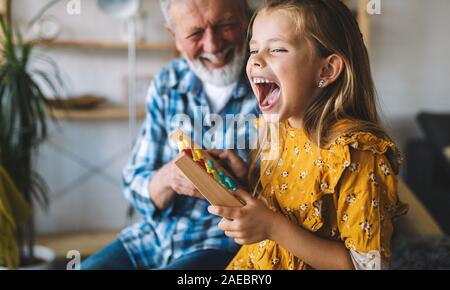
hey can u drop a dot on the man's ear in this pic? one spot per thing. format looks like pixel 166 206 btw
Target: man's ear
pixel 169 29
pixel 332 68
pixel 172 33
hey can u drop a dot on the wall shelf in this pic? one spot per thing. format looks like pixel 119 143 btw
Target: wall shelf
pixel 106 112
pixel 104 44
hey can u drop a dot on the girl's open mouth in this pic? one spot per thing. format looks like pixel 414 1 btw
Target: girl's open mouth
pixel 268 93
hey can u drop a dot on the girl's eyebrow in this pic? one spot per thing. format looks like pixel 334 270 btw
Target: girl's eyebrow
pixel 270 40
pixel 276 39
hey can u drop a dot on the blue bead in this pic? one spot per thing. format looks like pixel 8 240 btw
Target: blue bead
pixel 210 163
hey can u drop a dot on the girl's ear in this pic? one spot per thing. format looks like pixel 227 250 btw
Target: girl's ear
pixel 332 68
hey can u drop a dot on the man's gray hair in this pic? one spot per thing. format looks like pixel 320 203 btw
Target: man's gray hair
pixel 165 8
pixel 166 4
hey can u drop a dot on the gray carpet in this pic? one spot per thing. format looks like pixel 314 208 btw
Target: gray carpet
pixel 420 254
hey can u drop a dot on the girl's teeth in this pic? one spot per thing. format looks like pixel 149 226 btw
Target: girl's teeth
pixel 261 81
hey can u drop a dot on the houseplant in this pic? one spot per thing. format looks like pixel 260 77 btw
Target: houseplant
pixel 24 111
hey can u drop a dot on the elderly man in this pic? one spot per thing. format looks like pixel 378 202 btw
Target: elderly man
pixel 177 232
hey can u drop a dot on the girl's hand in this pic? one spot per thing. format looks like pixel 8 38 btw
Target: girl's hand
pixel 233 162
pixel 247 225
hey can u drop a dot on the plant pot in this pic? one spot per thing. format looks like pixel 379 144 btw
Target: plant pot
pixel 44 255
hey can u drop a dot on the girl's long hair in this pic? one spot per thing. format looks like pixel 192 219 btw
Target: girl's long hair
pixel 349 104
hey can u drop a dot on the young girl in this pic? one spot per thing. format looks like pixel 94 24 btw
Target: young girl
pixel 328 200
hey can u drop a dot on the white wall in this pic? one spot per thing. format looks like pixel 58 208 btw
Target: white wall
pixel 409 45
pixel 409 52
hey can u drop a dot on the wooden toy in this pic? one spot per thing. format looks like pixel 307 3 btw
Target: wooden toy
pixel 207 175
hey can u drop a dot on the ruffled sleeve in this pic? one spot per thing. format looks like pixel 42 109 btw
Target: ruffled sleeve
pixel 367 199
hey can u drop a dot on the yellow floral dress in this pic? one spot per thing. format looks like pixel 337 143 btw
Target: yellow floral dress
pixel 345 193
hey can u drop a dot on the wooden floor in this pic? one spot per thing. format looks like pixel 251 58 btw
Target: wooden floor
pixel 87 243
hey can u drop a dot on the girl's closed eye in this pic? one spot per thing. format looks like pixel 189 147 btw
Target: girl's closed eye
pixel 275 50
pixel 278 50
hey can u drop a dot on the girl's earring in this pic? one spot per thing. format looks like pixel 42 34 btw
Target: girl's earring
pixel 321 83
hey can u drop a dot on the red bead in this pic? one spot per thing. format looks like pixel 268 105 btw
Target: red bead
pixel 201 162
pixel 188 152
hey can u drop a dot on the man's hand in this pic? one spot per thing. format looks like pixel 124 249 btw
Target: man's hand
pixel 247 225
pixel 233 162
pixel 168 182
pixel 178 182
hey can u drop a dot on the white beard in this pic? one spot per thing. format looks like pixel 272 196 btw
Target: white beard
pixel 223 76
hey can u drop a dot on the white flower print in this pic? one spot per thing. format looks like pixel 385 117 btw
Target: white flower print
pixel 366 226
pixel 344 217
pixel 333 232
pixel 280 162
pixel 374 203
pixel 354 167
pixel 284 186
pixel 346 163
pixel 351 198
pixel 351 244
pixel 275 261
pixel 308 148
pixel 373 178
pixel 262 244
pixel 296 150
pixel 319 163
pixel 303 175
pixel 324 186
pixel 385 169
pixel 292 134
pixel 268 171
pixel 285 174
pixel 304 207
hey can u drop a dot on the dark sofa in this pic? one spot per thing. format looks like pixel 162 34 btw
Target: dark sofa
pixel 428 169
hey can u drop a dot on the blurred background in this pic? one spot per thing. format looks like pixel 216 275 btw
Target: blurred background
pixel 88 145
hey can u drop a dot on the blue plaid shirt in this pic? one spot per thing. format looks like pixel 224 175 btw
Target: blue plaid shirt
pixel 185 226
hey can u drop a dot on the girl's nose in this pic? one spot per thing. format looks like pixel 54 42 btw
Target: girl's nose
pixel 256 61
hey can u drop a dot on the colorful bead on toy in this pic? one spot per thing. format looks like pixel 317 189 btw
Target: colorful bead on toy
pixel 188 152
pixel 229 183
pixel 197 155
pixel 208 165
pixel 202 164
